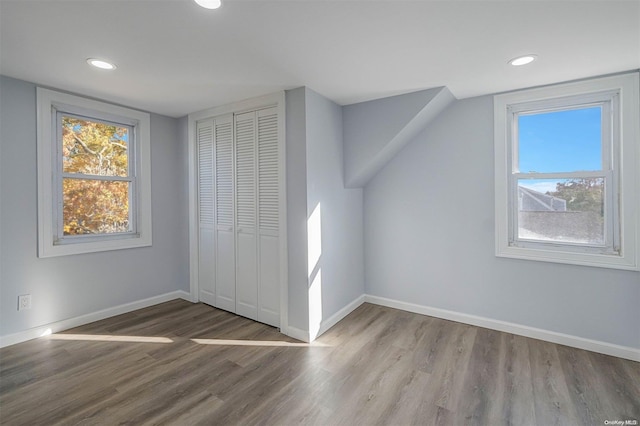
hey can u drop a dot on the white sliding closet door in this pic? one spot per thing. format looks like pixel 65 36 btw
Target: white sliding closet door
pixel 225 259
pixel 206 266
pixel 246 242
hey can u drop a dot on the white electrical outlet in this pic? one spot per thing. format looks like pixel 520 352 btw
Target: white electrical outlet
pixel 24 302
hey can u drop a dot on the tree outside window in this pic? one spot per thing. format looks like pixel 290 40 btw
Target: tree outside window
pixel 96 183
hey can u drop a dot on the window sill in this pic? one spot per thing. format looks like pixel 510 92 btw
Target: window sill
pixel 612 261
pixel 127 242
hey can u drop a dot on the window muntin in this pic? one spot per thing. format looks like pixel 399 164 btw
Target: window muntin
pixel 97 177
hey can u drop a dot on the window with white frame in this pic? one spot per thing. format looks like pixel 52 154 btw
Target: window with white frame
pixel 567 161
pixel 93 176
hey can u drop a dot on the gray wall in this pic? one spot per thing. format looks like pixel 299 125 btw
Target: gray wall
pixel 428 230
pixel 341 262
pixel 297 207
pixel 315 175
pixel 69 286
pixel 429 240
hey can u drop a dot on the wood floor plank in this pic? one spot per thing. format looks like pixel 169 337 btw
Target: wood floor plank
pixel 553 404
pixel 514 403
pixel 450 371
pixel 621 395
pixel 179 363
pixel 198 408
pixel 590 400
pixel 291 403
pixel 479 390
pixel 369 396
pixel 578 382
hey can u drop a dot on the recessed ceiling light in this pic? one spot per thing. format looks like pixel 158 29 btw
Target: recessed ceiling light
pixel 209 4
pixel 523 60
pixel 99 63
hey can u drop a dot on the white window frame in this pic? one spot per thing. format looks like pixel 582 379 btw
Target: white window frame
pixel 51 242
pixel 620 98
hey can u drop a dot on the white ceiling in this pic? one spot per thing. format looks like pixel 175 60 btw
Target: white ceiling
pixel 174 57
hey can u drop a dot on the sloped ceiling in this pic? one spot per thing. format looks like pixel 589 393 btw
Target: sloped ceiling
pixel 375 131
pixel 174 57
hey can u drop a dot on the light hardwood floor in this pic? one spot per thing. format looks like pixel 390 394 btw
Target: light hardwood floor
pixel 377 366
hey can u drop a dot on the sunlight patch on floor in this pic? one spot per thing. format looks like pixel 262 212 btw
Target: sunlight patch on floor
pixel 151 339
pixel 110 338
pixel 223 342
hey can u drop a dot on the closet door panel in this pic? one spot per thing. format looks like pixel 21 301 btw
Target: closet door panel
pixel 206 264
pixel 268 216
pixel 245 183
pixel 269 292
pixel 225 247
pixel 206 268
pixel 247 277
pixel 226 277
pixel 268 172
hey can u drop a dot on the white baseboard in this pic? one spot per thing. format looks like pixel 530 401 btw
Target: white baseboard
pixel 508 327
pixel 296 333
pixel 54 327
pixel 303 335
pixel 338 316
pixel 325 325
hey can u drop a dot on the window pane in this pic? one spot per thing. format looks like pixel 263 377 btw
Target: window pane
pixel 94 148
pixel 562 210
pixel 560 141
pixel 95 207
